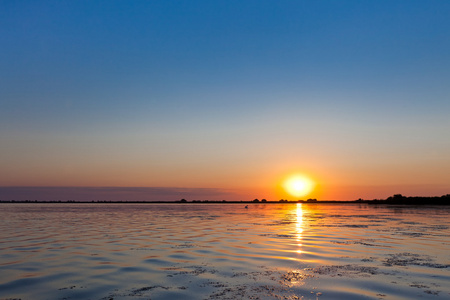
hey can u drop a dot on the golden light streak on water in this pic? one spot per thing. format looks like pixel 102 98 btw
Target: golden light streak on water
pixel 299 226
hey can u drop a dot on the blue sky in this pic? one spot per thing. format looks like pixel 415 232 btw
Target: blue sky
pixel 225 94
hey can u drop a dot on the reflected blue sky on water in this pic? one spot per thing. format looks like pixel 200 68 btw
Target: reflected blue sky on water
pixel 197 251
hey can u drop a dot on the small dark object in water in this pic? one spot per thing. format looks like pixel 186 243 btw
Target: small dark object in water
pixel 246 206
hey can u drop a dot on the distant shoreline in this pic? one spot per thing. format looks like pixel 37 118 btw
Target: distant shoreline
pixel 396 199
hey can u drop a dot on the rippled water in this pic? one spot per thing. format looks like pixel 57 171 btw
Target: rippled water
pixel 212 251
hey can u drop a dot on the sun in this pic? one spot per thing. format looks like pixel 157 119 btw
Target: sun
pixel 298 185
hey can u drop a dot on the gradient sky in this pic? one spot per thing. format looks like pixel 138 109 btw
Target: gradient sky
pixel 227 95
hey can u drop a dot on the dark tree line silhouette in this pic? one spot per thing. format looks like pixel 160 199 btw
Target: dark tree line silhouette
pixel 399 199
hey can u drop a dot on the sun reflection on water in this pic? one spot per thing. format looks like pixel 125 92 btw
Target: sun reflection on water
pixel 299 226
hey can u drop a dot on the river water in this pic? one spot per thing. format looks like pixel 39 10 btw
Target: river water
pixel 224 251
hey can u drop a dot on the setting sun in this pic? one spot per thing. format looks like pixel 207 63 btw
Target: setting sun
pixel 298 185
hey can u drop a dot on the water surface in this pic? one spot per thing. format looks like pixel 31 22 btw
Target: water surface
pixel 214 251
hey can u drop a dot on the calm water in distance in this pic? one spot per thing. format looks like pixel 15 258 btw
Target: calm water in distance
pixel 213 251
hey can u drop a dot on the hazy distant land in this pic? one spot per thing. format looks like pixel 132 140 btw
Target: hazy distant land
pixel 397 199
